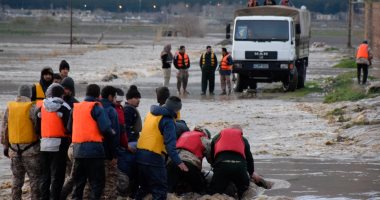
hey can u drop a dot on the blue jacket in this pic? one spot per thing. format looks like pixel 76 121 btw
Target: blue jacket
pixel 167 128
pixel 130 118
pixel 92 149
pixel 111 142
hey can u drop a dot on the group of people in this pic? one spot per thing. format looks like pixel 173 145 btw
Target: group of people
pixel 101 149
pixel 254 3
pixel 208 63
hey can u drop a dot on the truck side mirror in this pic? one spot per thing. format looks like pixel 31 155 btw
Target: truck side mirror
pixel 298 29
pixel 228 31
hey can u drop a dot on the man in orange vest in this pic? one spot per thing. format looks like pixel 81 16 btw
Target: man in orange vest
pixel 232 161
pixel 52 118
pixel 192 147
pixel 21 143
pixel 363 60
pixel 88 124
pixel 182 63
pixel 225 71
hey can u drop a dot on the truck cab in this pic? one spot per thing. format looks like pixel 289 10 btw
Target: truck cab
pixel 267 47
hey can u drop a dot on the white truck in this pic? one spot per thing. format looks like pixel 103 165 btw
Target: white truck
pixel 270 44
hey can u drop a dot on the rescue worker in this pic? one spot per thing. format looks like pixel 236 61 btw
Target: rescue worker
pixel 182 63
pixel 88 124
pixel 21 143
pixel 192 147
pixel 162 94
pixel 269 2
pixel 253 3
pixel 111 142
pixel 166 59
pixel 39 89
pixel 231 159
pixel 208 63
pixel 363 60
pixel 69 95
pixel 57 78
pixel 157 139
pixel 285 2
pixel 52 120
pixel 64 69
pixel 127 158
pixel 225 71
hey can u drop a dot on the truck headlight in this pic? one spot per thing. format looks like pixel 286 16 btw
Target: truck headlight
pixel 284 66
pixel 238 66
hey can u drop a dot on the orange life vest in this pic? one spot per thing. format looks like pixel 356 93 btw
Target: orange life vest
pixel 39 103
pixel 230 140
pixel 85 128
pixel 362 51
pixel 51 125
pixel 224 63
pixel 191 141
pixel 180 60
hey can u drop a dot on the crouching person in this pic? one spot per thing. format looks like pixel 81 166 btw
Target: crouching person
pixel 231 159
pixel 89 123
pixel 21 143
pixel 192 147
pixel 157 139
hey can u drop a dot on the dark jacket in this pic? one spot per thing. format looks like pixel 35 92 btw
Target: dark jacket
pixel 92 149
pixel 273 2
pixel 228 155
pixel 70 100
pixel 175 62
pixel 166 63
pixel 111 142
pixel 133 122
pixel 54 105
pixel 207 66
pixel 43 83
pixel 167 128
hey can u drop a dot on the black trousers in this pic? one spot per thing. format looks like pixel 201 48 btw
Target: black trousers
pixel 208 77
pixel 365 72
pixel 53 167
pixel 183 182
pixel 91 169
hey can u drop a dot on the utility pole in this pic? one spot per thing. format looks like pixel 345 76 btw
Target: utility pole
pixel 349 23
pixel 71 24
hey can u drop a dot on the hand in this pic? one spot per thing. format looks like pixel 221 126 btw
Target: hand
pixel 131 149
pixel 6 152
pixel 114 162
pixel 255 177
pixel 183 167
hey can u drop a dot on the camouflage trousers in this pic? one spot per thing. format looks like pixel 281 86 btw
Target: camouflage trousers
pixel 21 165
pixel 111 180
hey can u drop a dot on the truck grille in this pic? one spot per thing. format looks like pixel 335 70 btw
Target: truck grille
pixel 261 55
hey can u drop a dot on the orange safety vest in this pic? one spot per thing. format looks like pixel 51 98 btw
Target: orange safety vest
pixel 362 51
pixel 180 60
pixel 51 124
pixel 85 128
pixel 224 63
pixel 191 141
pixel 230 140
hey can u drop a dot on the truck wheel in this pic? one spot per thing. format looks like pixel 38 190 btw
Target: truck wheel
pixel 240 84
pixel 301 77
pixel 290 84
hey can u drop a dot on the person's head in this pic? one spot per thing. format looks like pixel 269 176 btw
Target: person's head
pixel 208 49
pixel 224 51
pixel 119 96
pixel 236 126
pixel 57 78
pixel 49 90
pixel 162 93
pixel 168 48
pixel 93 90
pixel 47 74
pixel 365 42
pixel 64 68
pixel 182 49
pixel 133 96
pixel 24 91
pixel 57 91
pixel 173 103
pixel 69 86
pixel 203 130
pixel 109 93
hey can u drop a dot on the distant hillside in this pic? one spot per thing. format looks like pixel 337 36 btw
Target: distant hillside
pixel 322 6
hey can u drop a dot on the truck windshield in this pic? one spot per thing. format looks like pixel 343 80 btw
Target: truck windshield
pixel 262 30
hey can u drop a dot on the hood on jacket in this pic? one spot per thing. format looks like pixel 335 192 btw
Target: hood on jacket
pixel 53 104
pixel 46 84
pixel 48 92
pixel 160 110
